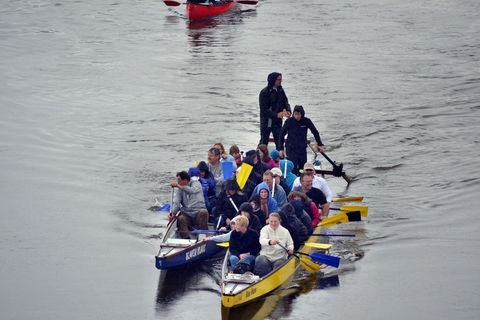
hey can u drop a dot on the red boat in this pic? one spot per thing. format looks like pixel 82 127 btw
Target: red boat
pixel 198 10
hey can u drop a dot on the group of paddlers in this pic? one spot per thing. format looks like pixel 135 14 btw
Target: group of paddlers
pixel 273 210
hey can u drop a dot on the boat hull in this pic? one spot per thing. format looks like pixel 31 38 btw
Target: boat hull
pixel 190 254
pixel 198 11
pixel 249 292
pixel 175 252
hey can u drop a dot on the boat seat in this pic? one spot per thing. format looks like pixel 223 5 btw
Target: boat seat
pixel 179 242
pixel 247 277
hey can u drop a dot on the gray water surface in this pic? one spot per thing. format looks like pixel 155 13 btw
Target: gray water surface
pixel 103 102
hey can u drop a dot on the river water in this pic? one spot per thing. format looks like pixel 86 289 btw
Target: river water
pixel 103 102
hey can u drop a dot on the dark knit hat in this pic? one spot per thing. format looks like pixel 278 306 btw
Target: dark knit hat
pixel 247 207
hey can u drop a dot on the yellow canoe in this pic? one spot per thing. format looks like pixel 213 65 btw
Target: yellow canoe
pixel 238 289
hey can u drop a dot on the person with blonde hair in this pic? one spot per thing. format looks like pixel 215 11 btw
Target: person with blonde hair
pixel 244 243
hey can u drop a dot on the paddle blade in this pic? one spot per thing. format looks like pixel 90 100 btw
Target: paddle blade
pixel 171 3
pixel 318 245
pixel 334 220
pixel 326 259
pixel 243 175
pixel 205 231
pixel 309 265
pixel 363 209
pixel 349 199
pixel 342 217
pixel 332 235
pixel 253 2
pixel 223 244
pixel 227 169
pixel 164 208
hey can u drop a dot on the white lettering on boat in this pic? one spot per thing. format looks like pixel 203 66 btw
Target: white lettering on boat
pixel 195 252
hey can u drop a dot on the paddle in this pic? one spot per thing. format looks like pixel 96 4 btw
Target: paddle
pixel 223 244
pixel 252 2
pixel 325 259
pixel 342 217
pixel 227 169
pixel 332 235
pixel 363 209
pixel 172 217
pixel 243 175
pixel 349 199
pixel 201 231
pixel 337 169
pixel 306 263
pixel 318 245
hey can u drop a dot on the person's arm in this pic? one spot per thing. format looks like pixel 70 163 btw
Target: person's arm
pixel 325 210
pixel 234 244
pixel 264 240
pixel 193 188
pixel 286 106
pixel 315 214
pixel 289 243
pixel 265 108
pixel 176 202
pixel 315 132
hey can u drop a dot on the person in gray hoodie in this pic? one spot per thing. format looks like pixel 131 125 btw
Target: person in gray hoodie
pixel 189 201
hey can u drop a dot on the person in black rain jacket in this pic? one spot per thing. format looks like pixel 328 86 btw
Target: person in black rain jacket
pixel 273 107
pixel 296 145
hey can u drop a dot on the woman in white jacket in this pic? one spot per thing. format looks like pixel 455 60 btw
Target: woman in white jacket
pixel 272 254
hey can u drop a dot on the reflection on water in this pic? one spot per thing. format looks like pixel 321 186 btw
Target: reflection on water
pixel 279 304
pixel 217 30
pixel 174 283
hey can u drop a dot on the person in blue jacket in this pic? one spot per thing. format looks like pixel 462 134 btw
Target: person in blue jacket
pixel 290 177
pixel 267 203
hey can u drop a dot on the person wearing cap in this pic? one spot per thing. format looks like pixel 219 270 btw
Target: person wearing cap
pixel 275 156
pixel 296 146
pixel 224 208
pixel 318 182
pixel 249 184
pixel 190 203
pixel 278 179
pixel 273 107
pixel 246 210
pixel 253 159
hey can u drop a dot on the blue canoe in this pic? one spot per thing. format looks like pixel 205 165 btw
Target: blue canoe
pixel 175 252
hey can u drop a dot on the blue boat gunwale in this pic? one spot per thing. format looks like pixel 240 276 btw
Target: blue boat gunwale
pixel 178 258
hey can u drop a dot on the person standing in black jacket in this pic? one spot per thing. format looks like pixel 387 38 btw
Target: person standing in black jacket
pixel 296 145
pixel 273 107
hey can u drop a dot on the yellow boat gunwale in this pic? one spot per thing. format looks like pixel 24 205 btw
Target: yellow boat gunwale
pixel 266 284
